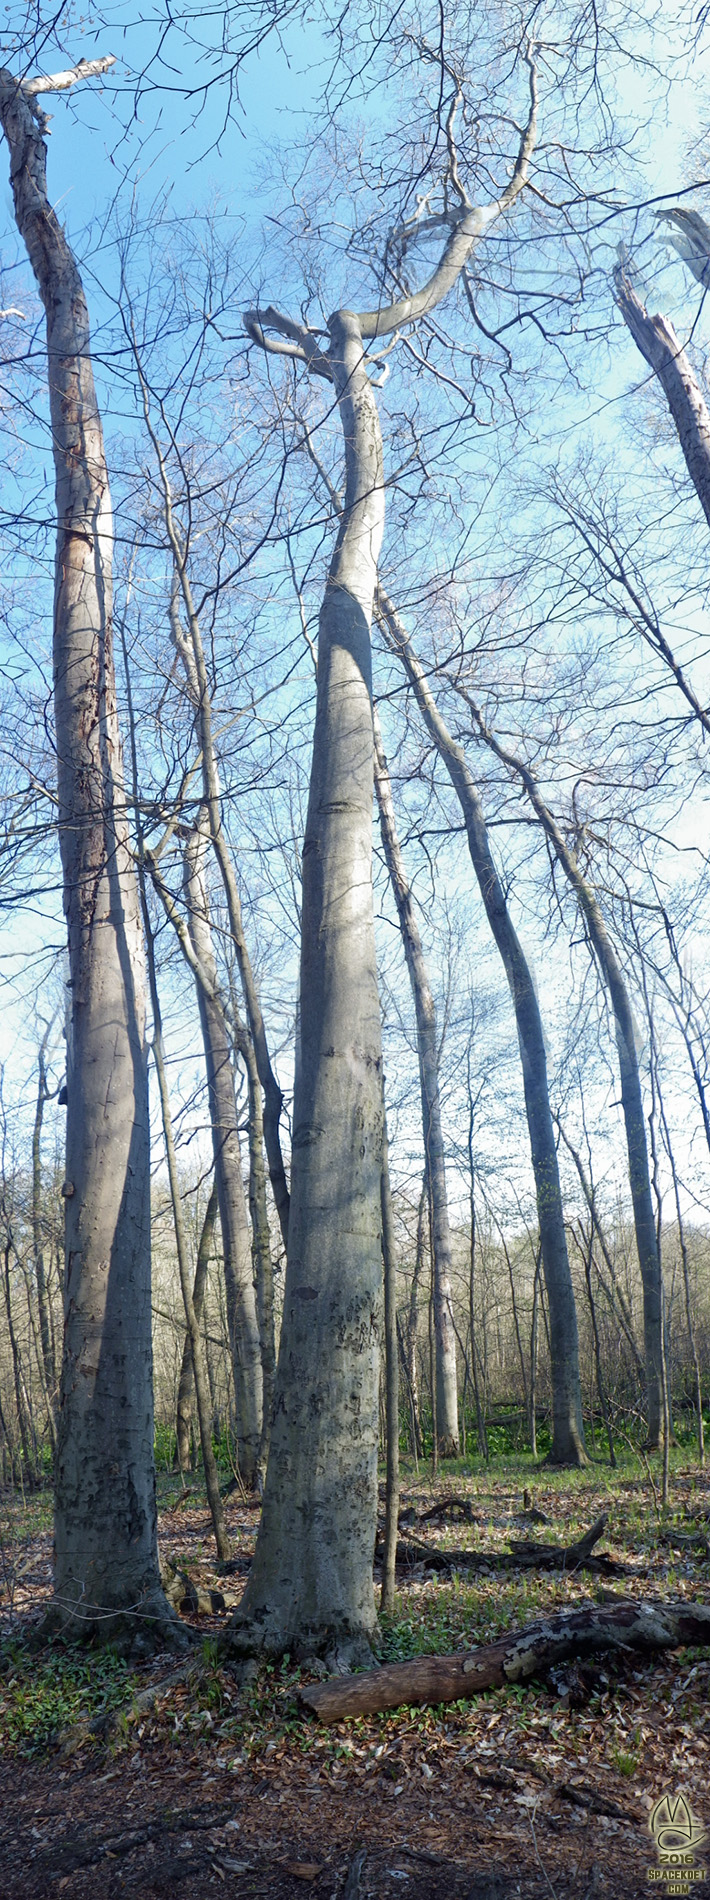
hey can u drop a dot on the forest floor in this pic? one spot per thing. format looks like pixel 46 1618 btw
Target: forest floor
pixel 217 1789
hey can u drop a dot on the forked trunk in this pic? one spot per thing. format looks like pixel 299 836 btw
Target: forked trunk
pixel 567 1429
pixel 242 1321
pixel 310 1586
pixel 105 1507
pixel 447 1424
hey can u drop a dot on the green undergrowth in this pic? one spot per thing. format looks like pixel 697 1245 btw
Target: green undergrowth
pixel 51 1694
pixel 45 1695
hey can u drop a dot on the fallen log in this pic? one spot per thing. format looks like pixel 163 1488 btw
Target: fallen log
pixel 525 1554
pixel 515 1657
pixel 451 1507
pixel 686 1540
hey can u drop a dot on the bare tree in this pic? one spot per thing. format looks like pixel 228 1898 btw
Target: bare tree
pixel 311 1581
pixel 186 1381
pixel 568 1431
pixel 656 339
pixel 105 1510
pixel 242 1318
pixel 631 1095
pixel 447 1428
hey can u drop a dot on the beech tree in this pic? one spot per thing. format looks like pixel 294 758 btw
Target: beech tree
pixel 631 1096
pixel 567 1428
pixel 310 1586
pixel 236 1243
pixel 447 1428
pixel 106 1566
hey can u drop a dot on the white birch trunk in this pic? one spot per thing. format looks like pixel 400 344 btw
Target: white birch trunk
pixel 105 1506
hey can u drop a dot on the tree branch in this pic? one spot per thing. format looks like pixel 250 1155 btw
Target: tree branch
pixel 471 224
pixel 61 82
pixel 300 343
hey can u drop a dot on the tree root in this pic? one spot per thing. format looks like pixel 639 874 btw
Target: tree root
pixel 516 1657
pixel 141 1630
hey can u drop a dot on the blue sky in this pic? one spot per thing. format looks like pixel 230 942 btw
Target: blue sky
pixel 90 160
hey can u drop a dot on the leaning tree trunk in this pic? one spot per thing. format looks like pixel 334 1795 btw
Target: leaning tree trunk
pixel 567 1430
pixel 630 1079
pixel 447 1425
pixel 656 339
pixel 242 1320
pixel 106 1556
pixel 310 1587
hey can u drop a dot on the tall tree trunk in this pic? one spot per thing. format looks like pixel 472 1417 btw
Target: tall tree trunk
pixel 413 1319
pixel 45 1330
pixel 242 1321
pixel 105 1508
pixel 447 1426
pixel 24 1418
pixel 186 1382
pixel 392 1386
pixel 567 1428
pixel 205 1407
pixel 310 1586
pixel 261 1249
pixel 587 1251
pixel 631 1097
pixel 533 1355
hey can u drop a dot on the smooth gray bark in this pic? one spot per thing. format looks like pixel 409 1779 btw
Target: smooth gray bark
pixel 630 1079
pixel 226 1007
pixel 47 1343
pixel 192 655
pixel 567 1431
pixel 447 1426
pixel 197 1350
pixel 242 1321
pixel 389 1554
pixel 413 1321
pixel 186 1381
pixel 310 1586
pixel 261 1246
pixel 105 1509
